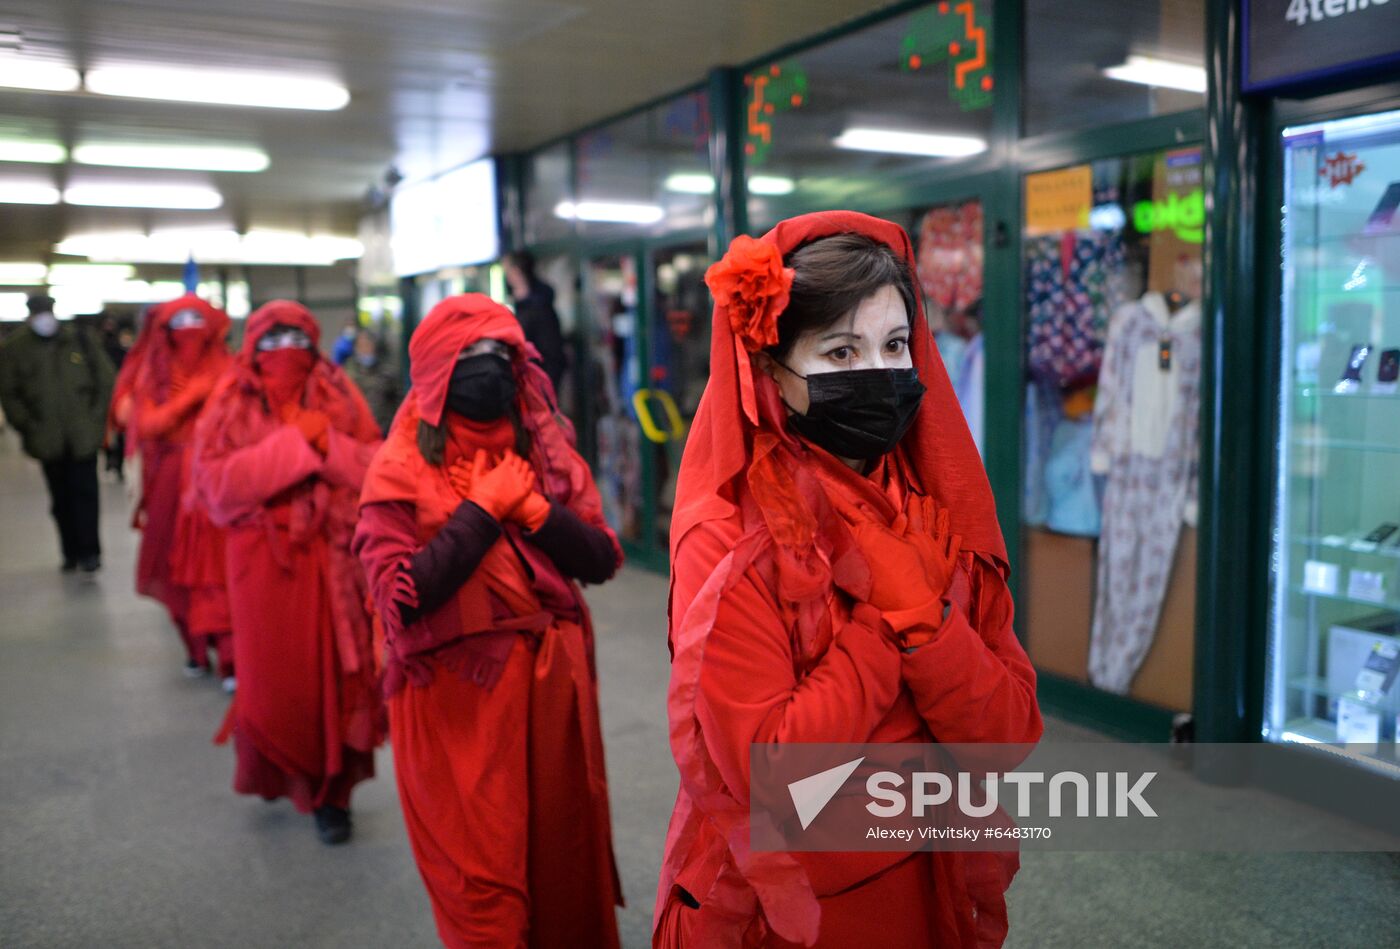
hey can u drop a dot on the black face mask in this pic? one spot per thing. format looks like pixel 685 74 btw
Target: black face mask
pixel 482 387
pixel 859 413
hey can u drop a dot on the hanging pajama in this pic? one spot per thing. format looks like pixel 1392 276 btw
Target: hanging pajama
pixel 1146 419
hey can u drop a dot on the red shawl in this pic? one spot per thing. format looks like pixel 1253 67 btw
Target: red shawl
pixel 741 465
pixel 400 473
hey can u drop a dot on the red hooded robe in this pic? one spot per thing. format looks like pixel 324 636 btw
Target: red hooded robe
pixel 767 649
pixel 173 374
pixel 493 703
pixel 306 717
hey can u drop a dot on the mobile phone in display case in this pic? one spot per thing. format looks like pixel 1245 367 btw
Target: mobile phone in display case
pixel 1388 372
pixel 1351 375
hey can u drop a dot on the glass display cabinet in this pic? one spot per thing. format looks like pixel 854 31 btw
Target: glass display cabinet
pixel 1335 623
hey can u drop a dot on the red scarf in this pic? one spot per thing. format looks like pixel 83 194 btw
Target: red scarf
pixel 284 373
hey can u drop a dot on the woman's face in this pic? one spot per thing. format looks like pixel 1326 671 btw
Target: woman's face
pixel 492 346
pixel 875 335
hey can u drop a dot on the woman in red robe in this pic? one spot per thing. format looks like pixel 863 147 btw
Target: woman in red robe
pixel 179 362
pixel 280 455
pixel 828 458
pixel 477 518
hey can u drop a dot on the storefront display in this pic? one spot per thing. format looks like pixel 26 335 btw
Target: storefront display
pixel 1113 355
pixel 1335 625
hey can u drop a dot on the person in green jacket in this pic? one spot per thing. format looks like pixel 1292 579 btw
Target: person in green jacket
pixel 55 381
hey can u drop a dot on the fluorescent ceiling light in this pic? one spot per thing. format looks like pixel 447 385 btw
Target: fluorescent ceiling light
pixel 18 72
pixel 179 197
pixel 28 192
pixel 609 212
pixel 771 184
pixel 697 183
pixel 213 247
pixel 255 89
pixel 38 153
pixel 690 183
pixel 13 307
pixel 1150 71
pixel 22 273
pixel 89 274
pixel 186 157
pixel 910 143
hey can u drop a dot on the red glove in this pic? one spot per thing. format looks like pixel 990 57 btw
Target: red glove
pixel 532 512
pixel 919 539
pixel 498 489
pixel 313 425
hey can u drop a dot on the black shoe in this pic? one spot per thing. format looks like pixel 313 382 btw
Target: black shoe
pixel 69 566
pixel 194 670
pixel 90 564
pixel 332 825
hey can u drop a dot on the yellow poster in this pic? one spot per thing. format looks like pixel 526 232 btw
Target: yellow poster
pixel 1059 200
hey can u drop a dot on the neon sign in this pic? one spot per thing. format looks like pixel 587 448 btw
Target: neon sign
pixel 1185 214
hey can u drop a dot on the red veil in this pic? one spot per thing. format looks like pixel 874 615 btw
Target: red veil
pixel 740 463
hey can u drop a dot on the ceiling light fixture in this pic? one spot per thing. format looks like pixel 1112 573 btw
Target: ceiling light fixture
pixel 89 274
pixel 771 185
pixel 894 142
pixel 20 72
pixel 609 212
pixel 698 183
pixel 253 89
pixel 183 157
pixel 38 153
pixel 22 273
pixel 213 247
pixel 685 182
pixel 173 197
pixel 1150 71
pixel 28 192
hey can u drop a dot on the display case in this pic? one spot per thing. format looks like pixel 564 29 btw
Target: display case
pixel 1335 624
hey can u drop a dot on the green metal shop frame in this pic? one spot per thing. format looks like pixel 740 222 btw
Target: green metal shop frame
pixel 996 178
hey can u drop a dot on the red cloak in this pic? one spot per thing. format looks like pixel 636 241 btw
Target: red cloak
pixel 766 649
pixel 306 717
pixel 173 373
pixel 493 696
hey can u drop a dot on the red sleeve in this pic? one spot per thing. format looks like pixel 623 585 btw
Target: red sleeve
pixel 972 682
pixel 749 691
pixel 347 459
pixel 237 482
pixel 156 421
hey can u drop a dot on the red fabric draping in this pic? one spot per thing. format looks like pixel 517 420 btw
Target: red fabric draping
pixel 767 648
pixel 500 767
pixel 173 371
pixel 306 716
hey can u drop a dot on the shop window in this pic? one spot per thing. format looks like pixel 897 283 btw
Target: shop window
pixel 909 93
pixel 1112 272
pixel 1335 617
pixel 547 183
pixel 646 174
pixel 1090 63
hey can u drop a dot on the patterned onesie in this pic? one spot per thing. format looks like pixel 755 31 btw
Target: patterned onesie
pixel 1146 420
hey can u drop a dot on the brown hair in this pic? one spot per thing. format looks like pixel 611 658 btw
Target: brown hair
pixel 832 276
pixel 432 439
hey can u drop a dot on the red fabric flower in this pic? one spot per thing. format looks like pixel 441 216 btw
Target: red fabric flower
pixel 752 285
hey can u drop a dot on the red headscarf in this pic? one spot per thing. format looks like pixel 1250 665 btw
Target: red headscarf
pixel 452 326
pixel 158 367
pixel 938 447
pixel 741 462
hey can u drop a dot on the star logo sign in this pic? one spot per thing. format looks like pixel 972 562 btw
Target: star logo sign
pixel 1341 169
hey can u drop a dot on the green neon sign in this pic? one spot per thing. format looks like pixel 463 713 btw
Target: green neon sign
pixel 1183 213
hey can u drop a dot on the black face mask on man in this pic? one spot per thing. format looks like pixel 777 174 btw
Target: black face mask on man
pixel 858 413
pixel 482 387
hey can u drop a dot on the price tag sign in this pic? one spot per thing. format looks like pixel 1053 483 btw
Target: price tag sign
pixel 1320 577
pixel 1357 722
pixel 1366 585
